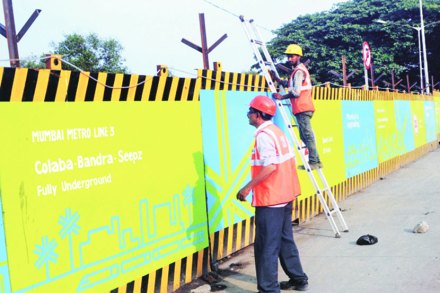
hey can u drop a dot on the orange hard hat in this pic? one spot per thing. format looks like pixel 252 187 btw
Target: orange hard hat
pixel 264 104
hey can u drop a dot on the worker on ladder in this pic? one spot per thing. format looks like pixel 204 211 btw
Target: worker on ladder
pixel 300 95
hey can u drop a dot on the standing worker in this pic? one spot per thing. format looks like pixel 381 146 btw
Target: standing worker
pixel 300 95
pixel 275 186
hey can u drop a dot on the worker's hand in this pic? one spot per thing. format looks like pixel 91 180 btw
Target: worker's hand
pixel 277 96
pixel 243 193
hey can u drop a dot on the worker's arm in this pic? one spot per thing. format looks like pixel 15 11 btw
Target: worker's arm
pixel 294 87
pixel 263 175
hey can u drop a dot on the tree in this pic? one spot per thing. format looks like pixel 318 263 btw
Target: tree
pixel 90 53
pixel 327 36
pixel 87 53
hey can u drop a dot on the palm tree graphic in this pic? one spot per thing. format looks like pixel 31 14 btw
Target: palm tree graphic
pixel 46 253
pixel 70 226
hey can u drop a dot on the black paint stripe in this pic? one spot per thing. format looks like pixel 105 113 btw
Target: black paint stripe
pixel 171 274
pixel 54 78
pixel 179 90
pixel 231 78
pixel 140 88
pixel 73 86
pixel 153 91
pixel 203 77
pixel 167 89
pixel 91 87
pixel 124 91
pixel 192 90
pixel 110 81
pixel 30 85
pixel 130 287
pixel 144 284
pixel 6 85
pixel 158 280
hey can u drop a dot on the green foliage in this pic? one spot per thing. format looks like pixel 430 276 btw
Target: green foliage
pixel 90 53
pixel 327 36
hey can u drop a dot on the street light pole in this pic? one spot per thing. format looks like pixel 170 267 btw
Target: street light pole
pixel 425 59
pixel 420 59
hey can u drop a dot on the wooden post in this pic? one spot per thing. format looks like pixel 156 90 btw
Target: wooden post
pixel 344 72
pixel 392 81
pixel 408 86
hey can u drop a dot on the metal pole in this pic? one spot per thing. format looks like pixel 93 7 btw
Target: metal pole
pixel 11 35
pixel 420 61
pixel 204 41
pixel 366 78
pixel 344 72
pixel 425 59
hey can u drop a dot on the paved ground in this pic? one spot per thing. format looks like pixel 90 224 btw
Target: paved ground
pixel 401 261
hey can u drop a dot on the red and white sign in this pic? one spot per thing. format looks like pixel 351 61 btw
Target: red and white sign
pixel 366 55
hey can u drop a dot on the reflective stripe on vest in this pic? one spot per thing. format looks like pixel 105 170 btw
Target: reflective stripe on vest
pixel 283 184
pixel 303 103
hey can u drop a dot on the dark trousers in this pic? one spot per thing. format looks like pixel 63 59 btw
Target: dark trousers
pixel 273 240
pixel 307 136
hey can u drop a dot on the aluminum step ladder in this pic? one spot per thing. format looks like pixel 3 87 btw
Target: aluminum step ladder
pixel 266 64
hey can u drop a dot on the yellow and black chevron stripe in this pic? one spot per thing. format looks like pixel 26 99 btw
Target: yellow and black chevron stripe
pixel 30 85
pixel 171 277
pixel 232 81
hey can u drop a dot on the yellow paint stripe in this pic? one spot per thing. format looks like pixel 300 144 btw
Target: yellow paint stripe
pixel 132 90
pixel 227 80
pixel 116 92
pixel 200 262
pixel 151 282
pixel 208 78
pixel 242 85
pixel 239 240
pixel 247 232
pixel 176 277
pixel 173 89
pixel 218 75
pixel 234 81
pixel 42 84
pixel 1 74
pixel 137 286
pixel 164 279
pixel 82 87
pixel 122 289
pixel 185 91
pixel 221 237
pixel 100 88
pixel 188 269
pixel 161 88
pixel 18 84
pixel 147 88
pixel 63 85
pixel 230 238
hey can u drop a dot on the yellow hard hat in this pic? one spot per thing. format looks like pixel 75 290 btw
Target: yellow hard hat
pixel 294 49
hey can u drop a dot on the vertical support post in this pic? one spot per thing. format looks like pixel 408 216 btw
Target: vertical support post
pixel 366 78
pixel 392 81
pixel 344 72
pixel 11 34
pixel 408 86
pixel 372 75
pixel 425 58
pixel 204 41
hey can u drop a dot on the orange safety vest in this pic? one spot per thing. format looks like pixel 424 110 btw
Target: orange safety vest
pixel 303 103
pixel 282 185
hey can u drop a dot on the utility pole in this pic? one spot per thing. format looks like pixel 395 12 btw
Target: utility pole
pixel 204 49
pixel 425 59
pixel 9 32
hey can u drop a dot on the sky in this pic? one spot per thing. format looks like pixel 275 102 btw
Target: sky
pixel 150 31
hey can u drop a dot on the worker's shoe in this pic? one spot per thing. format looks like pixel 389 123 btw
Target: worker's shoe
pixel 313 166
pixel 301 285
